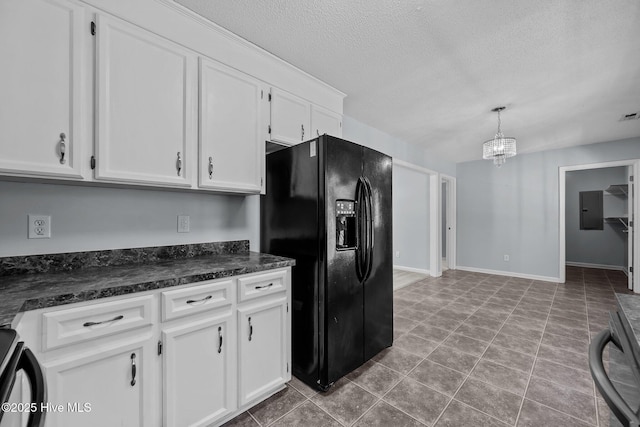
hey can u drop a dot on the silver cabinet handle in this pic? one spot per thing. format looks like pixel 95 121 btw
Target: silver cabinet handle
pixel 219 339
pixel 87 324
pixel 250 329
pixel 63 148
pixel 191 301
pixel 133 369
pixel 179 163
pixel 302 137
pixel 210 167
pixel 264 286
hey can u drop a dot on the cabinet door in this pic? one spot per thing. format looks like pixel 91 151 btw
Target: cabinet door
pixel 98 389
pixel 290 118
pixel 263 348
pixel 232 131
pixel 325 121
pixel 145 106
pixel 199 371
pixel 41 49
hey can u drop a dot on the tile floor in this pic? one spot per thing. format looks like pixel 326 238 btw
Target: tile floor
pixel 470 350
pixel 403 278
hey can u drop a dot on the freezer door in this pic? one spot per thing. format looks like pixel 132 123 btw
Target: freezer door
pixel 378 287
pixel 343 341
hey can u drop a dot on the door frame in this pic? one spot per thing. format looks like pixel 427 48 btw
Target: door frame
pixel 450 221
pixel 435 217
pixel 562 171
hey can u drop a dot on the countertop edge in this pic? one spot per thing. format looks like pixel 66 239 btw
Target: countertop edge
pixel 630 321
pixel 36 303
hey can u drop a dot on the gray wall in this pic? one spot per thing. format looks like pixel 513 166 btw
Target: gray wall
pixel 93 218
pixel 410 218
pixel 514 210
pixel 356 131
pixel 603 247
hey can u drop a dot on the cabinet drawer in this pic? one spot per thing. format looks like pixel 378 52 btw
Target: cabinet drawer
pixel 196 299
pixel 91 321
pixel 258 285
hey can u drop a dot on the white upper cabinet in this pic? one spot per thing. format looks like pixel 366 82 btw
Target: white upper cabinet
pixel 232 129
pixel 290 118
pixel 145 107
pixel 40 88
pixel 294 119
pixel 325 121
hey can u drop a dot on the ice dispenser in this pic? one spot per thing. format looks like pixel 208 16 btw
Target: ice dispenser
pixel 345 224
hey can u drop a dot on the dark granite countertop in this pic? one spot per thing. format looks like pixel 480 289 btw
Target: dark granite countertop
pixel 629 307
pixel 76 277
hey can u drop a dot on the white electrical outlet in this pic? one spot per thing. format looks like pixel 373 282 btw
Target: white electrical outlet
pixel 39 226
pixel 397 254
pixel 183 223
pixel 506 257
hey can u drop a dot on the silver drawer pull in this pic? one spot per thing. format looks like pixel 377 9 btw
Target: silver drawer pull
pixel 264 286
pixel 210 167
pixel 179 163
pixel 133 369
pixel 191 301
pixel 87 324
pixel 63 148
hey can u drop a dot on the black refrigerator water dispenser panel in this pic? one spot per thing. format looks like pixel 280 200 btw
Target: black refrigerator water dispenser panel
pixel 345 224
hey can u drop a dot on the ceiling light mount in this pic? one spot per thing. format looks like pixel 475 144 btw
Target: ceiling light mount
pixel 500 147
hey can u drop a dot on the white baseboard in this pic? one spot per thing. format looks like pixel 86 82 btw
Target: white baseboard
pixel 510 274
pixel 599 266
pixel 411 269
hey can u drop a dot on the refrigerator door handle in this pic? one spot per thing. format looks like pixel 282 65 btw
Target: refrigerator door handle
pixel 370 230
pixel 360 244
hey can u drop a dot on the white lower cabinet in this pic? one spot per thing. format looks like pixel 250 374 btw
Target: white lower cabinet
pixel 108 387
pixel 262 358
pixel 199 361
pixel 193 355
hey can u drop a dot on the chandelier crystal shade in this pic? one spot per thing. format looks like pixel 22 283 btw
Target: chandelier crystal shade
pixel 500 147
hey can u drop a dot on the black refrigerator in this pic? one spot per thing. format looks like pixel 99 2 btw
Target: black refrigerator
pixel 328 205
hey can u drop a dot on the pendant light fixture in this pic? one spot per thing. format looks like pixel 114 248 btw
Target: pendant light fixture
pixel 500 147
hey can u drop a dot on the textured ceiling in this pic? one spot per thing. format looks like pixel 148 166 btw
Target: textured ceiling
pixel 430 71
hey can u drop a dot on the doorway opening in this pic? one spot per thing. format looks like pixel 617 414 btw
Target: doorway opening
pixel 597 206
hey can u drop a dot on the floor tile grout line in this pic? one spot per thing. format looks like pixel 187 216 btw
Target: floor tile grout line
pixel 593 385
pixel 288 412
pixel 406 376
pixel 535 361
pixel 291 410
pixel 485 350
